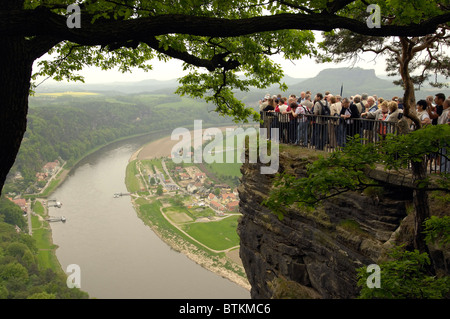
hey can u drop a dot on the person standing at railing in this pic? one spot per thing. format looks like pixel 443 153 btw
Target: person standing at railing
pixel 302 121
pixel 358 103
pixel 269 117
pixel 370 107
pixel 422 113
pixel 283 120
pixel 381 114
pixel 335 110
pixel 309 106
pixel 349 113
pixel 377 114
pixel 292 129
pixel 435 112
pixel 424 118
pixel 301 98
pixel 357 100
pixel 395 114
pixel 444 119
pixel 262 104
pixel 320 134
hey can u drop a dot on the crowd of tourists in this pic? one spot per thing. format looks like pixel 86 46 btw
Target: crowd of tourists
pixel 328 121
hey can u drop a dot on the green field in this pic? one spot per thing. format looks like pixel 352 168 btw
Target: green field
pixel 153 163
pixel 178 214
pixel 38 208
pixel 78 94
pixel 218 235
pixel 46 249
pixel 131 180
pixel 225 170
pixel 199 212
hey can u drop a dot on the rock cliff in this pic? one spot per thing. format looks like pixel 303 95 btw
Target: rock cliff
pixel 314 254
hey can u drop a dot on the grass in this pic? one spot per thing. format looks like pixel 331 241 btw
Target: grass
pixel 35 222
pixel 42 234
pixel 46 253
pixel 200 211
pixel 226 171
pixel 218 235
pixel 149 212
pixel 178 214
pixel 153 162
pixel 131 180
pixel 38 208
pixel 352 226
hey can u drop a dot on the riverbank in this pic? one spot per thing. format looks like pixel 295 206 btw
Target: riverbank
pixel 41 229
pixel 67 168
pixel 218 263
pixel 150 210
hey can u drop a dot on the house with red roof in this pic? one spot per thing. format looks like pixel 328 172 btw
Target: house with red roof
pixel 51 167
pixel 233 206
pixel 217 205
pixel 226 197
pixel 21 202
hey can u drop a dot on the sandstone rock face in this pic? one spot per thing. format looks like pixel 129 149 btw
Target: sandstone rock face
pixel 311 254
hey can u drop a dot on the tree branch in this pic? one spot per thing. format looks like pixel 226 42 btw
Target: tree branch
pixel 42 21
pixel 336 5
pixel 40 45
pixel 217 61
pixel 296 6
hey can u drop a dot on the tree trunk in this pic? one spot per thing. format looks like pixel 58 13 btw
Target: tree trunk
pixel 422 210
pixel 419 170
pixel 409 98
pixel 15 75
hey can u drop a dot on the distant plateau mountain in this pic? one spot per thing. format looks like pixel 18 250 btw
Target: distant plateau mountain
pixel 351 80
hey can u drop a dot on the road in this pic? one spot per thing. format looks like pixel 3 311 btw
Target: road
pixel 163 163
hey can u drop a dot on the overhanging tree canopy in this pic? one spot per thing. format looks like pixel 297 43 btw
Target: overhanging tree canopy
pixel 222 37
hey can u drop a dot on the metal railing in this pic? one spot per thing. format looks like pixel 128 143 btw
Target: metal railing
pixel 329 133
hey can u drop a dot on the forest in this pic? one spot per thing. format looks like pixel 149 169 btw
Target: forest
pixel 21 276
pixel 67 127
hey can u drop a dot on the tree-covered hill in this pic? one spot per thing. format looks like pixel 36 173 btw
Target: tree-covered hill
pixel 21 277
pixel 68 126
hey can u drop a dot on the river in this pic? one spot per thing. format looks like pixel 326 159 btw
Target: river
pixel 119 256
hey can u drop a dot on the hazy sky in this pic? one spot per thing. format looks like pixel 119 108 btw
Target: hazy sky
pixel 304 68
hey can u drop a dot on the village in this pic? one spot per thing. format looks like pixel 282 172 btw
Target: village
pixel 220 197
pixel 191 181
pixel 43 179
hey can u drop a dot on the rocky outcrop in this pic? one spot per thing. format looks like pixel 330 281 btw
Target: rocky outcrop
pixel 312 254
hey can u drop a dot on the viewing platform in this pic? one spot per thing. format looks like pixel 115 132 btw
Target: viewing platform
pixel 331 133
